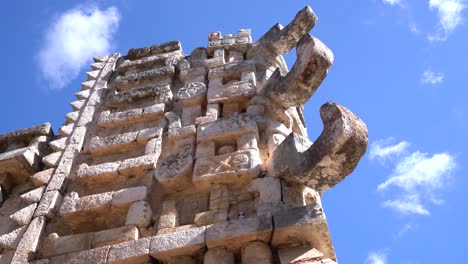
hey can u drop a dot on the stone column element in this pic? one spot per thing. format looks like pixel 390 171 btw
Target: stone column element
pixel 218 255
pixel 257 252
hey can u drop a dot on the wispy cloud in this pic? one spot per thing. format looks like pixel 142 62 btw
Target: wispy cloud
pixel 376 257
pixel 386 148
pixel 450 14
pixel 392 2
pixel 72 39
pixel 416 179
pixel 430 77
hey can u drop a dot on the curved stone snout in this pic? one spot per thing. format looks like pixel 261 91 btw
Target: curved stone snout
pixel 311 67
pixel 327 161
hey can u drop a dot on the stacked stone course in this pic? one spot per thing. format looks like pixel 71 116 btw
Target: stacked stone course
pixel 175 158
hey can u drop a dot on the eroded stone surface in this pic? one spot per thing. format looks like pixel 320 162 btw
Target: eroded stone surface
pixel 184 158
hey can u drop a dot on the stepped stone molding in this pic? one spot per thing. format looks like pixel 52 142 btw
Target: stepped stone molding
pixel 168 157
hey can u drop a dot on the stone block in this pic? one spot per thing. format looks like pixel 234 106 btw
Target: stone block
pixel 54 245
pixel 49 205
pixel 218 255
pixel 174 172
pixel 114 143
pixel 211 217
pixel 302 225
pixel 185 242
pixel 269 190
pixel 139 214
pixel 52 160
pixel 73 203
pixel 11 240
pixel 130 252
pixel 129 195
pixel 235 233
pixel 100 172
pixel 301 254
pixel 28 245
pixel 33 196
pixel 139 165
pixel 115 236
pixel 226 128
pixel 257 252
pixel 59 144
pixel 23 216
pixel 95 256
pixel 237 168
pixel 41 178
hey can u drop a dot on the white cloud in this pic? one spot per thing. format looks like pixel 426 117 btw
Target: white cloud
pixel 73 39
pixel 430 77
pixel 392 2
pixel 407 205
pixel 384 149
pixel 417 178
pixel 450 16
pixel 376 258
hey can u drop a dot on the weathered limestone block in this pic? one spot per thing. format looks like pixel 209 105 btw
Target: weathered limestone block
pixel 97 65
pixel 237 168
pixel 169 46
pixel 257 252
pixel 72 203
pixel 218 255
pixel 174 172
pixel 115 143
pixel 28 245
pixel 310 69
pixel 49 204
pixel 33 196
pixel 165 58
pixel 52 160
pixel 269 190
pixel 217 60
pixel 160 92
pixel 219 198
pixel 139 165
pixel 23 216
pixel 333 156
pixel 226 128
pixel 191 74
pixel 136 115
pixel 186 242
pixel 168 217
pixel 20 163
pixel 100 172
pixel 139 214
pixel 302 225
pixel 297 255
pixel 66 129
pixel 240 43
pixel 235 233
pixel 95 256
pixel 130 252
pixel 115 236
pixel 59 144
pixel 54 245
pixel 129 195
pixel 143 78
pixel 11 240
pixel 211 217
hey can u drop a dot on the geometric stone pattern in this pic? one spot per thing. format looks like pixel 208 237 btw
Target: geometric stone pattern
pixel 175 158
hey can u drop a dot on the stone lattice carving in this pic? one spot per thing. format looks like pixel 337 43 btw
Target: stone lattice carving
pixel 175 158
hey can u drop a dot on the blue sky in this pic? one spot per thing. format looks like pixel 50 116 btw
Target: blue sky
pixel 401 65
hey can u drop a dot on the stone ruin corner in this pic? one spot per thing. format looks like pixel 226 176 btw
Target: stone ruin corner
pixel 170 157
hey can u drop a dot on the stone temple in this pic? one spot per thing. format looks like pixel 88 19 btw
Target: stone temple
pixel 170 158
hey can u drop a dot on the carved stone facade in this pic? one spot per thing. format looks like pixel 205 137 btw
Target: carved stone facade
pixel 175 158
